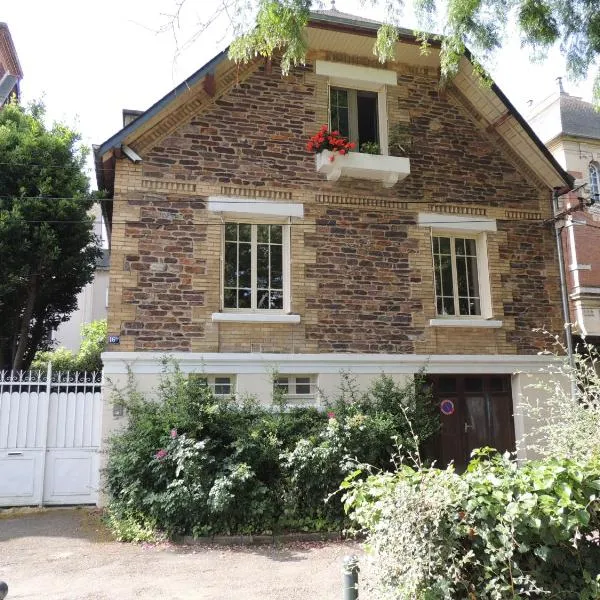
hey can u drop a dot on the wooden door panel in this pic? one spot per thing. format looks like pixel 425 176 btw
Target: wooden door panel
pixel 482 416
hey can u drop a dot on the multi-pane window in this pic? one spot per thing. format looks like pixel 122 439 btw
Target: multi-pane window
pixel 296 387
pixel 221 385
pixel 253 266
pixel 594 171
pixel 456 278
pixel 354 114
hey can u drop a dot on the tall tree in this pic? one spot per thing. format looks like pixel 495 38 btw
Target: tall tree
pixel 263 27
pixel 48 248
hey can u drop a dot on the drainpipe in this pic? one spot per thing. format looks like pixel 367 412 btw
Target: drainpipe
pixel 563 290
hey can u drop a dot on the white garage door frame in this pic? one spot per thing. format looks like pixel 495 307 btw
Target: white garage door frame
pixel 49 438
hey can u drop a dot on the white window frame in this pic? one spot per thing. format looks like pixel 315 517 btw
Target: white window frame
pixel 211 382
pixel 472 227
pixel 292 380
pixel 286 268
pixel 368 79
pixel 382 120
pixel 479 241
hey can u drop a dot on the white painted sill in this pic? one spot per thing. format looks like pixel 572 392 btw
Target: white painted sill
pixel 240 317
pixel 389 170
pixel 487 323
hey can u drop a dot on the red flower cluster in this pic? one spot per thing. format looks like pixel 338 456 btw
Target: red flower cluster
pixel 329 140
pixel 162 453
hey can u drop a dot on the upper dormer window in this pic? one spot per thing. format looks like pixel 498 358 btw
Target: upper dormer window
pixel 358 103
pixel 594 171
pixel 354 114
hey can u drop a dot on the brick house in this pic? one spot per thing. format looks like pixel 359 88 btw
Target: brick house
pixel 239 254
pixel 570 127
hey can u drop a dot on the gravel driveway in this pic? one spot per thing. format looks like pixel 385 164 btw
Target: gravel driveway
pixel 68 555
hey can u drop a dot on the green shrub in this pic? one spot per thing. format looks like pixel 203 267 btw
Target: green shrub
pixel 93 336
pixel 497 531
pixel 191 462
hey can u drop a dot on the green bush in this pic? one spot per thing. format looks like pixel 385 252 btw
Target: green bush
pixel 191 462
pixel 93 336
pixel 497 531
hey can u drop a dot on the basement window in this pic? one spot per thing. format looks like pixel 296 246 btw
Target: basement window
pixel 296 388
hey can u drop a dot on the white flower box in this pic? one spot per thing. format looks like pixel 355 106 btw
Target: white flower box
pixel 387 169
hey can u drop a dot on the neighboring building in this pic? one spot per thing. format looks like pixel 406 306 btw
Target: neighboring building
pixel 237 253
pixel 570 127
pixel 92 301
pixel 10 69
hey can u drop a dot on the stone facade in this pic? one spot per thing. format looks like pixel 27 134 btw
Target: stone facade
pixel 361 269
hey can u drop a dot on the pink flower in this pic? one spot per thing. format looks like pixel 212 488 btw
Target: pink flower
pixel 331 158
pixel 160 454
pixel 173 433
pixel 331 415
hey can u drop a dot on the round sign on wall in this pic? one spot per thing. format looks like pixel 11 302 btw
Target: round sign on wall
pixel 447 407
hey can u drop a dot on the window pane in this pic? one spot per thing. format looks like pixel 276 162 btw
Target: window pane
pixel 473 384
pixel 230 264
pixel 244 265
pixel 276 234
pixel 498 384
pixel 367 117
pixel 339 111
pixel 262 299
pixel 444 245
pixel 223 386
pixel 444 288
pixel 231 231
pixel 282 384
pixel 303 385
pixel 244 298
pixel 467 277
pixel 446 385
pixel 262 266
pixel 448 306
pixel 276 279
pixel 276 300
pixel 245 230
pixel 230 298
pixel 262 234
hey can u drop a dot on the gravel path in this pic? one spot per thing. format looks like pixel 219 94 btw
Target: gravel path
pixel 68 555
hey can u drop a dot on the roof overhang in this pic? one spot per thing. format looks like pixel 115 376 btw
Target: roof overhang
pixel 9 53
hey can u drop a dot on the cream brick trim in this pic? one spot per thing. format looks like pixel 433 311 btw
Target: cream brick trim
pixel 456 223
pixel 345 74
pixel 254 207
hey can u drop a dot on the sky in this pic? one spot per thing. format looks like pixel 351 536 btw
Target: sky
pixel 89 60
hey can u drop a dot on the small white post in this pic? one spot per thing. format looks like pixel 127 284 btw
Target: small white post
pixel 45 423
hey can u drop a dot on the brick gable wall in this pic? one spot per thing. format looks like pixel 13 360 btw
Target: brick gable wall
pixel 361 270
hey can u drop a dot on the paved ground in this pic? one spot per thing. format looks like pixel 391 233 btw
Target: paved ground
pixel 68 555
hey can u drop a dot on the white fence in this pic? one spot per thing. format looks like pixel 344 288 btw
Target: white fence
pixel 49 437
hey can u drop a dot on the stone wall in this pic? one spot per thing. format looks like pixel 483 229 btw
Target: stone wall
pixel 361 270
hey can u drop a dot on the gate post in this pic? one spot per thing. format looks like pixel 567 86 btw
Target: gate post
pixel 350 577
pixel 45 434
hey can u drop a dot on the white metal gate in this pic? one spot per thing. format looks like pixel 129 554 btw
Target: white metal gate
pixel 49 437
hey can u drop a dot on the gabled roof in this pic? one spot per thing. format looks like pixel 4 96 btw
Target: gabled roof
pixel 524 137
pixel 578 118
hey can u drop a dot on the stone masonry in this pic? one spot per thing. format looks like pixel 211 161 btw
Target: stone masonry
pixel 361 270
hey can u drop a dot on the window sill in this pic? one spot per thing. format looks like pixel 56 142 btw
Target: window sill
pixel 240 317
pixel 386 169
pixel 487 323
